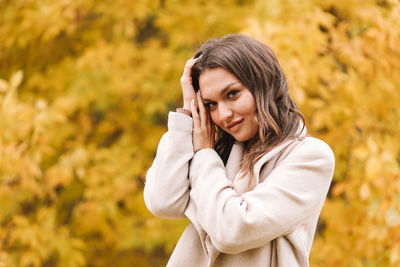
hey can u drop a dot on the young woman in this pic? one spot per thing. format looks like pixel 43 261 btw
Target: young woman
pixel 237 162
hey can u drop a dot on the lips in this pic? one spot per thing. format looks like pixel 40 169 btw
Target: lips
pixel 231 126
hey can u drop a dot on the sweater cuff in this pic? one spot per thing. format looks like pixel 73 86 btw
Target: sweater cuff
pixel 179 122
pixel 204 157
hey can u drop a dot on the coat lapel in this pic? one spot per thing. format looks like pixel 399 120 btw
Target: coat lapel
pixel 233 163
pixel 260 163
pixel 267 157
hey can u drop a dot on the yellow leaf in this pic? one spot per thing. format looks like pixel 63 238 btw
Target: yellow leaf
pixel 392 217
pixel 30 259
pixel 395 254
pixel 16 79
pixel 365 191
pixel 3 86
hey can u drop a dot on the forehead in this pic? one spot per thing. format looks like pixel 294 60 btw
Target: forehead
pixel 213 81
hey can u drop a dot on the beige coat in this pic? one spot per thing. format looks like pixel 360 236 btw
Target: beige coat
pixel 271 225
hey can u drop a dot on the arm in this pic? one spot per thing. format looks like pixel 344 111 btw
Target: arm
pixel 294 190
pixel 166 191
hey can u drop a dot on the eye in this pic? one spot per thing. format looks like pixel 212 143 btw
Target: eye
pixel 210 105
pixel 232 94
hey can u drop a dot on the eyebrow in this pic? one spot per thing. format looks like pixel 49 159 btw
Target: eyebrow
pixel 226 88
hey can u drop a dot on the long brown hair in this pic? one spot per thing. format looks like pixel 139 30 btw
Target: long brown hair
pixel 255 65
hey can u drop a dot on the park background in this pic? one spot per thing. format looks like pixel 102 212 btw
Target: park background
pixel 85 89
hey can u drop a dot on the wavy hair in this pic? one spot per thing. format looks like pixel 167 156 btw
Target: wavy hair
pixel 255 65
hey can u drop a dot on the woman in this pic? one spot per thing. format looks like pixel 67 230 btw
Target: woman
pixel 253 196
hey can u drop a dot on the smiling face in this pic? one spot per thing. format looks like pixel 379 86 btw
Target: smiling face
pixel 230 103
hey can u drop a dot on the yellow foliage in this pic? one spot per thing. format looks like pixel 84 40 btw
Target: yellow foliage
pixel 343 64
pixel 85 89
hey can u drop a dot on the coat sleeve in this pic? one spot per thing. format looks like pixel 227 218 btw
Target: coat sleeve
pixel 292 192
pixel 166 191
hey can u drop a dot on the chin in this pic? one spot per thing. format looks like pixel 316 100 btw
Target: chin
pixel 244 137
pixel 241 138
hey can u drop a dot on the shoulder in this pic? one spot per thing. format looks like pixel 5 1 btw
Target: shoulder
pixel 312 145
pixel 302 152
pixel 304 146
pixel 311 150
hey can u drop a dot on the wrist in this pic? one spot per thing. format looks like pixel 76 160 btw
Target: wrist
pixel 186 105
pixel 184 111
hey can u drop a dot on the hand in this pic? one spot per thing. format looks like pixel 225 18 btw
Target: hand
pixel 203 127
pixel 186 83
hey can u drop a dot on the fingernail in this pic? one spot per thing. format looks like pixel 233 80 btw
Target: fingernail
pixel 192 102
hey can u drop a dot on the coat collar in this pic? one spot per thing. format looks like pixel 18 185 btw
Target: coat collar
pixel 236 155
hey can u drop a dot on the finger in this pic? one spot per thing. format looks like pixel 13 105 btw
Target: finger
pixel 202 111
pixel 186 78
pixel 212 133
pixel 193 59
pixel 189 64
pixel 195 115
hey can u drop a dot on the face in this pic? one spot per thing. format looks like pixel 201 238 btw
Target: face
pixel 230 103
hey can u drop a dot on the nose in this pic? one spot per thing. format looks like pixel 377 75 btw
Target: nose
pixel 225 112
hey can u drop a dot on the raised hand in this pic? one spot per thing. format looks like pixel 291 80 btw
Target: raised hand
pixel 203 127
pixel 186 83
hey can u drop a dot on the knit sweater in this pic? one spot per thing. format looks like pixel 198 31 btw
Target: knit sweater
pixel 272 224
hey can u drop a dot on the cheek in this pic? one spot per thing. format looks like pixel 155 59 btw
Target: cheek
pixel 215 118
pixel 249 110
pixel 251 105
pixel 246 107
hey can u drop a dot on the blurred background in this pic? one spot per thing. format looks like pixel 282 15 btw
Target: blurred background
pixel 85 90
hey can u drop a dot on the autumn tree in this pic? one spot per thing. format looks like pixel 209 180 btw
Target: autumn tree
pixel 343 63
pixel 86 87
pixel 85 91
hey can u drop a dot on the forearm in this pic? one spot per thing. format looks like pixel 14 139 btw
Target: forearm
pixel 166 191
